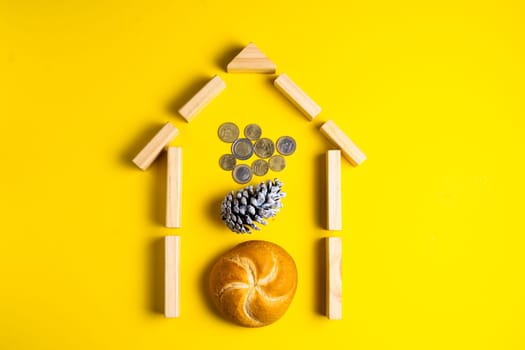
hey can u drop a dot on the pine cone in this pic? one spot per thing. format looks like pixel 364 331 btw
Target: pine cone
pixel 240 211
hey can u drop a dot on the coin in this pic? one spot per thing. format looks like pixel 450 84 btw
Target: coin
pixel 228 132
pixel 252 131
pixel 242 173
pixel 260 167
pixel 286 145
pixel 264 148
pixel 277 163
pixel 242 149
pixel 227 161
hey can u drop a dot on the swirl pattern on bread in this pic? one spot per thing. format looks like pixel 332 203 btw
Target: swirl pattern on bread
pixel 254 283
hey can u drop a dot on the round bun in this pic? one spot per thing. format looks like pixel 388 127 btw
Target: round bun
pixel 254 283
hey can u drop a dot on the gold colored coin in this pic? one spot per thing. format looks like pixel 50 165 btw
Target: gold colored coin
pixel 277 163
pixel 228 132
pixel 252 131
pixel 264 148
pixel 227 161
pixel 260 167
pixel 242 174
pixel 242 149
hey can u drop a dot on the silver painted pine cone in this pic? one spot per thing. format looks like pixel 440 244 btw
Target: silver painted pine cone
pixel 241 210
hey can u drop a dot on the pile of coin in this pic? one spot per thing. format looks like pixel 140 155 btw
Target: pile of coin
pixel 243 148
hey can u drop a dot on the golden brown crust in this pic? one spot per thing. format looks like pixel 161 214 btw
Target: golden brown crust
pixel 254 283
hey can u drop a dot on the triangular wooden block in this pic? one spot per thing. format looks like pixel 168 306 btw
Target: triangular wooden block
pixel 251 60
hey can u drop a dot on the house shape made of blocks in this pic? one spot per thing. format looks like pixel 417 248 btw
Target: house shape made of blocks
pixel 252 60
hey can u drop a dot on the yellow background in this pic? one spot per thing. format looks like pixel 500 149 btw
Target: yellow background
pixel 432 91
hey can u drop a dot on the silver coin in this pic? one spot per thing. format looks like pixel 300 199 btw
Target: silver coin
pixel 252 131
pixel 260 167
pixel 242 149
pixel 286 145
pixel 227 161
pixel 264 148
pixel 228 132
pixel 277 163
pixel 242 173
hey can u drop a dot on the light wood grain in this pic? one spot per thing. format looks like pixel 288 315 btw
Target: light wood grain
pixel 334 202
pixel 174 188
pixel 297 96
pixel 251 60
pixel 151 151
pixel 334 284
pixel 172 277
pixel 202 98
pixel 350 151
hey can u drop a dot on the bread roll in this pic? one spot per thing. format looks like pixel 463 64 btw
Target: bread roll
pixel 254 283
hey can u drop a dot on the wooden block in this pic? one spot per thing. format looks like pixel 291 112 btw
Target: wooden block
pixel 334 283
pixel 172 276
pixel 339 138
pixel 334 202
pixel 297 96
pixel 174 187
pixel 202 98
pixel 251 60
pixel 151 151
